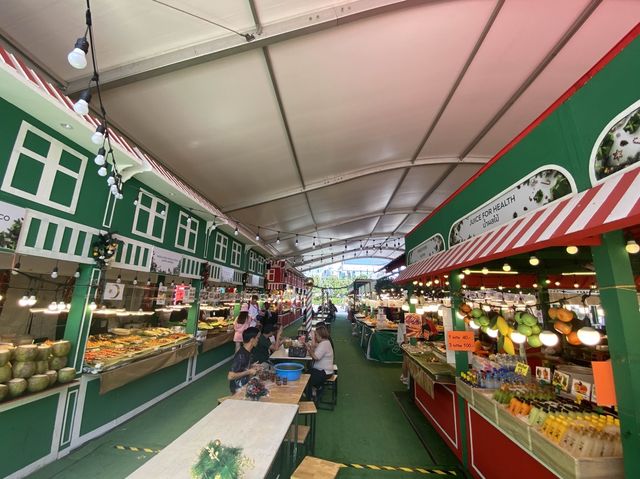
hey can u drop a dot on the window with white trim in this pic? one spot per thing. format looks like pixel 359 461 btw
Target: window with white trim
pixel 220 253
pixel 252 261
pixel 44 170
pixel 150 217
pixel 187 233
pixel 236 254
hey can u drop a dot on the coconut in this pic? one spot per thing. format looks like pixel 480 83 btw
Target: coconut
pixel 17 386
pixel 37 383
pixel 26 352
pixel 5 355
pixel 66 375
pixel 53 377
pixel 24 369
pixel 5 373
pixel 61 348
pixel 4 390
pixel 42 367
pixel 44 351
pixel 56 362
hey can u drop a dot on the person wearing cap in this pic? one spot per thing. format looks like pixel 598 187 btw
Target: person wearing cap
pixel 264 348
pixel 241 369
pixel 240 325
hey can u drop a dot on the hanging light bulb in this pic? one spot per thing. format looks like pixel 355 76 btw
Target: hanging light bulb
pixel 506 267
pixel 547 281
pixel 535 285
pixel 119 279
pixel 213 226
pixel 77 273
pixel 296 240
pixel 492 333
pixel 163 212
pixel 420 310
pixel 405 307
pixel 517 337
pixel 53 306
pixel 485 270
pixel 16 268
pixel 148 281
pixel 93 306
pixel 98 137
pixel 31 300
pixel 572 249
pixel 557 283
pixel 102 171
pixel 24 301
pixel 473 324
pixel 549 338
pixel 518 285
pixel 77 57
pixel 632 247
pixel 314 242
pixel 413 300
pixel 258 235
pixel 54 273
pixel 576 285
pixel 188 220
pixel 111 180
pixel 135 281
pixel 61 306
pixel 278 238
pixel 235 232
pixel 534 261
pixel 100 159
pixel 436 281
pixel 81 107
pixel 588 336
pixel 461 275
pixel 113 189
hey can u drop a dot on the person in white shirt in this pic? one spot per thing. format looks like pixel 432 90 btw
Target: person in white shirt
pixel 254 310
pixel 322 353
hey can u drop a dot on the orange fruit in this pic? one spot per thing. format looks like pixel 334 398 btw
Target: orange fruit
pixel 572 338
pixel 563 328
pixel 565 315
pixel 553 313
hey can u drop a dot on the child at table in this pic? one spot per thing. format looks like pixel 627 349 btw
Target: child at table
pixel 241 369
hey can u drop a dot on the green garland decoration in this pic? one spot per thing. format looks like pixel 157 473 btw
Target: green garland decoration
pixel 216 461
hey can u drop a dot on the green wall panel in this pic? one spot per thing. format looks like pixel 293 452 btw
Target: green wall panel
pixel 101 409
pixel 565 138
pixel 27 433
pixel 214 356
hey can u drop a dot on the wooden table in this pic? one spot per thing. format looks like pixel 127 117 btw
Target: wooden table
pixel 281 355
pixel 289 394
pixel 234 424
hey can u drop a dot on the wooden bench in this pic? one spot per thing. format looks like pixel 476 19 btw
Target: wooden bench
pixel 309 411
pixel 314 468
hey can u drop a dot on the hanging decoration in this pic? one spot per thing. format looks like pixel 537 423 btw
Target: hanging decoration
pixel 104 249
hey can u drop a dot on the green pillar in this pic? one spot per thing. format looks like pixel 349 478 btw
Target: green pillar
pixel 412 307
pixel 194 310
pixel 462 358
pixel 80 315
pixel 620 303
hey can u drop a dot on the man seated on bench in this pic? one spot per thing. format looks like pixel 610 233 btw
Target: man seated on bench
pixel 241 369
pixel 264 348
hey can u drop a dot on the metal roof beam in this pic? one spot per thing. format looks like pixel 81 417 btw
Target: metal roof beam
pixel 340 243
pixel 270 34
pixel 353 175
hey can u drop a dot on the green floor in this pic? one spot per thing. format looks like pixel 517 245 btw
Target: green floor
pixel 369 425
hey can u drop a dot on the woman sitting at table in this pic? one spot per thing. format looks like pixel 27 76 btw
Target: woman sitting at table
pixel 322 353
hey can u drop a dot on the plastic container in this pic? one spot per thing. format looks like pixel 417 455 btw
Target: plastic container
pixel 291 371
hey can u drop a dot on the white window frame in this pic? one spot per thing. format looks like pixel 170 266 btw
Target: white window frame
pixel 236 254
pixel 221 248
pixel 252 261
pixel 152 216
pixel 51 167
pixel 190 229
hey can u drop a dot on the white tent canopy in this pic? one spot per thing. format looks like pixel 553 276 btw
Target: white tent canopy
pixel 345 120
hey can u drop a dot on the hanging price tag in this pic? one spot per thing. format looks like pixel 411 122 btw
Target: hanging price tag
pixel 522 369
pixel 460 340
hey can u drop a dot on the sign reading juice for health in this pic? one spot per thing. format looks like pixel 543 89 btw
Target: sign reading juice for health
pixel 460 341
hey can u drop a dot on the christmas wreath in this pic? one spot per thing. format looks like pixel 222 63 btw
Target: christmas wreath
pixel 217 461
pixel 256 389
pixel 104 248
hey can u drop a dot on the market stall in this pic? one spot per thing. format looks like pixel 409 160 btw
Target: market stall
pixel 379 340
pixel 539 267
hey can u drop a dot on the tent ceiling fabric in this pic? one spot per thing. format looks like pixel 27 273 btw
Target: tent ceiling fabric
pixel 354 123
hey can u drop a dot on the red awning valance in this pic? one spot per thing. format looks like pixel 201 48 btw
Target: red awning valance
pixel 613 204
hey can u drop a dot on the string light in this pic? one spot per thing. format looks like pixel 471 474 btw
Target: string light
pixel 54 272
pixel 235 232
pixel 258 235
pixel 77 57
pixel 534 261
pixel 98 137
pixel 296 239
pixel 278 238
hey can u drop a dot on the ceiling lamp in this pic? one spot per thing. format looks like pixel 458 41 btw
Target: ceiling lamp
pixel 461 276
pixel 100 157
pixel 517 337
pixel 81 107
pixel 24 301
pixel 576 285
pixel 518 285
pixel 278 238
pixel 98 137
pixel 54 273
pixel 572 249
pixel 485 270
pixel 235 232
pixel 588 336
pixel 506 267
pixel 78 56
pixel 492 333
pixel 632 247
pixel 258 235
pixel 102 171
pixel 549 338
pixel 534 261
pixel 466 271
pixel 405 307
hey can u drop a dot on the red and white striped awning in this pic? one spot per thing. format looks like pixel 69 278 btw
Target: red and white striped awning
pixel 608 206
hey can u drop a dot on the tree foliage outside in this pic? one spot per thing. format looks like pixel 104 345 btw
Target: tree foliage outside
pixel 339 288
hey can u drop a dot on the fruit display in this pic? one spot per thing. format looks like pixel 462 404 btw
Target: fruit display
pixel 106 350
pixel 31 368
pixel 215 324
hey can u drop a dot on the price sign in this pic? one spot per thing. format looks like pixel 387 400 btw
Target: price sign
pixel 522 369
pixel 460 341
